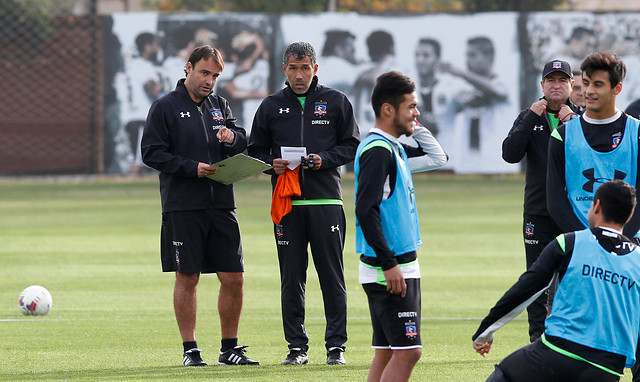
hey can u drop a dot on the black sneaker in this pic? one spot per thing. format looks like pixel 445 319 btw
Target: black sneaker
pixel 192 358
pixel 296 356
pixel 335 356
pixel 235 356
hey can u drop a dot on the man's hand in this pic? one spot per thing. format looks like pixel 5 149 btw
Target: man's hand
pixel 565 113
pixel 539 106
pixel 395 281
pixel 316 160
pixel 225 135
pixel 206 169
pixel 483 348
pixel 280 165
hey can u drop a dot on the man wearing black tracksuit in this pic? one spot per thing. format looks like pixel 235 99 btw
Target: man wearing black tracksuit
pixel 185 134
pixel 529 137
pixel 320 119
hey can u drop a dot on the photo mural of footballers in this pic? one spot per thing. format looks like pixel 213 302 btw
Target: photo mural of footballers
pixel 154 49
pixel 244 41
pixel 572 36
pixel 137 84
pixel 451 108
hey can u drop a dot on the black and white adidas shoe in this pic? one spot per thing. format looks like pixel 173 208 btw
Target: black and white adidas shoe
pixel 236 356
pixel 192 358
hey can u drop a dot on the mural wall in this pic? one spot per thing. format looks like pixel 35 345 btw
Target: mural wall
pixel 474 73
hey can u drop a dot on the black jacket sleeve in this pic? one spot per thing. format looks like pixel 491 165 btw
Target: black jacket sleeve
pixel 557 198
pixel 529 286
pixel 375 164
pixel 514 146
pixel 260 139
pixel 348 137
pixel 240 135
pixel 157 147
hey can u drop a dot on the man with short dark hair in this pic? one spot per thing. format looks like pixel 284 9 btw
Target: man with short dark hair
pixel 186 132
pixel 600 145
pixel 529 138
pixel 317 121
pixel 387 226
pixel 592 331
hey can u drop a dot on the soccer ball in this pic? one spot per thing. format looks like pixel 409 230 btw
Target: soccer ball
pixel 35 300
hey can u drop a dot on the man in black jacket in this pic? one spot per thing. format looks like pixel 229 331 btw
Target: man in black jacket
pixel 186 132
pixel 320 122
pixel 529 137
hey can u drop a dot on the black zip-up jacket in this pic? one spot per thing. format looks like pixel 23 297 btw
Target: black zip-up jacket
pixel 326 127
pixel 530 136
pixel 177 136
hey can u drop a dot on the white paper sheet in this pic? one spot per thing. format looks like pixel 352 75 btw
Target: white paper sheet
pixel 293 154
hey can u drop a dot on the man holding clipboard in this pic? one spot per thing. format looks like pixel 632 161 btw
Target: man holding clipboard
pixel 186 131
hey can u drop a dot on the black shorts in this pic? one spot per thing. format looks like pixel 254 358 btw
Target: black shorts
pixel 395 320
pixel 203 241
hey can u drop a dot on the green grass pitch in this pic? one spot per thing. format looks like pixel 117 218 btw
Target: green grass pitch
pixel 94 244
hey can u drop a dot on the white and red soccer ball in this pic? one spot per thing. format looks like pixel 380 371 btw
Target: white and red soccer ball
pixel 35 301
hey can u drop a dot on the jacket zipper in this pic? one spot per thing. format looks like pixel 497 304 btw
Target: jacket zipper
pixel 301 171
pixel 206 136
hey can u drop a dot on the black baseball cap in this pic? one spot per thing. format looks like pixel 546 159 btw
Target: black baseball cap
pixel 557 66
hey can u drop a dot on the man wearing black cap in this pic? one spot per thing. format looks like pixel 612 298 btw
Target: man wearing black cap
pixel 529 137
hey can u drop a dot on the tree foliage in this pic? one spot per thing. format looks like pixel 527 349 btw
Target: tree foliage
pixel 361 6
pixel 511 5
pixel 25 21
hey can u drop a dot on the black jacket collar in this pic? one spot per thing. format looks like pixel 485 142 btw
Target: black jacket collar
pixel 312 87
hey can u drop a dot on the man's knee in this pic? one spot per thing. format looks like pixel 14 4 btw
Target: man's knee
pixel 187 280
pixel 409 356
pixel 233 281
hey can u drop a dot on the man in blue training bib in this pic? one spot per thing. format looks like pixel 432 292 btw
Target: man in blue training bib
pixel 387 226
pixel 592 331
pixel 600 145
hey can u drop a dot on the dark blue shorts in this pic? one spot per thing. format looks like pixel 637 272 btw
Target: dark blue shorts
pixel 203 241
